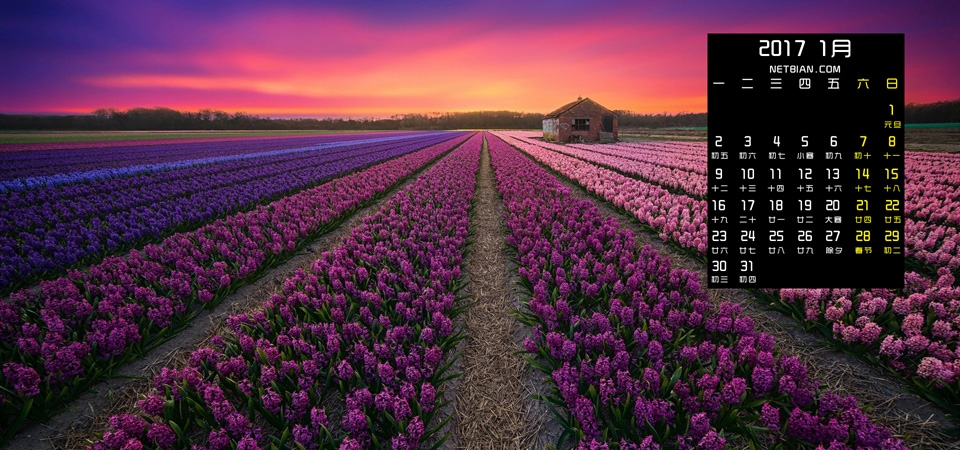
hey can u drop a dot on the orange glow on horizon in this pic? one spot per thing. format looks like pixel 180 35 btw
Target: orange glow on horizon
pixel 319 61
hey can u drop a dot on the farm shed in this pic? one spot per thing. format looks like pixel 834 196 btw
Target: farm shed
pixel 581 120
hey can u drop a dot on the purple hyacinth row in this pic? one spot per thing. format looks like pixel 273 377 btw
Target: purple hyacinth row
pixel 639 357
pixel 932 242
pixel 72 332
pixel 50 229
pixel 677 218
pixel 21 184
pixel 39 163
pixel 350 356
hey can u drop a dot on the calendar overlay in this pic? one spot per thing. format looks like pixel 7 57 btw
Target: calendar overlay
pixel 805 160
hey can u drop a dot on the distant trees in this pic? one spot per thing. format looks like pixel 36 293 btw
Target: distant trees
pixel 161 118
pixel 472 119
pixel 629 119
pixel 939 112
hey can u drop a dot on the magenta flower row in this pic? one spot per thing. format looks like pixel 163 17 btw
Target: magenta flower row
pixel 73 330
pixel 913 331
pixel 350 356
pixel 638 355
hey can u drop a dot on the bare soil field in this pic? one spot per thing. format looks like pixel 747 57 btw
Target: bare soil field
pixel 946 139
pixel 20 137
pixel 646 134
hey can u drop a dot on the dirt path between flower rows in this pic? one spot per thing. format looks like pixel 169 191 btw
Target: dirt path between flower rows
pixel 494 408
pixel 884 398
pixel 70 430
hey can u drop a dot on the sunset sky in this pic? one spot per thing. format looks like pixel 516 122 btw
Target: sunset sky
pixel 375 59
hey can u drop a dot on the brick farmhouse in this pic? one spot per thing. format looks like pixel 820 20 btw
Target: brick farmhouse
pixel 582 120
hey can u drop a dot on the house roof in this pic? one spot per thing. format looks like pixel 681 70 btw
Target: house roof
pixel 563 109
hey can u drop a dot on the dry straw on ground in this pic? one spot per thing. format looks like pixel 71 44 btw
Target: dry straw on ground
pixel 491 411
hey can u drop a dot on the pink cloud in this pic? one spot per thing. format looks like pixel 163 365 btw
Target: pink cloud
pixel 320 61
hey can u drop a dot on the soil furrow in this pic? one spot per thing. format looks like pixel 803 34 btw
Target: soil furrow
pixel 491 410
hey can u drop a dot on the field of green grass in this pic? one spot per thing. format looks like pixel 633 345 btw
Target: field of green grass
pixel 27 136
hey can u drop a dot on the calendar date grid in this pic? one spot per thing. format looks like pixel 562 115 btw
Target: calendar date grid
pixel 805 179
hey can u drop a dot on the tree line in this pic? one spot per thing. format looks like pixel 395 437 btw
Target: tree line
pixel 627 119
pixel 160 118
pixel 207 119
pixel 939 112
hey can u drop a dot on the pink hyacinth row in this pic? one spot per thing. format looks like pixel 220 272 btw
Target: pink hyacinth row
pixel 931 200
pixel 936 167
pixel 913 331
pixel 932 193
pixel 686 156
pixel 691 183
pixel 898 325
pixel 937 245
pixel 932 208
pixel 677 218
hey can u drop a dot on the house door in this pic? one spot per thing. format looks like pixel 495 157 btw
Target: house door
pixel 608 124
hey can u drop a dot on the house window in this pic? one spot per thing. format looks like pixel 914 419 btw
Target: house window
pixel 581 124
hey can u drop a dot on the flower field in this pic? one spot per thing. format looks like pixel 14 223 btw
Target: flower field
pixel 52 223
pixel 47 159
pixel 75 329
pixel 638 355
pixel 913 331
pixel 107 252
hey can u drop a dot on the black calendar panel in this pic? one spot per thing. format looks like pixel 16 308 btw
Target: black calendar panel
pixel 805 160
